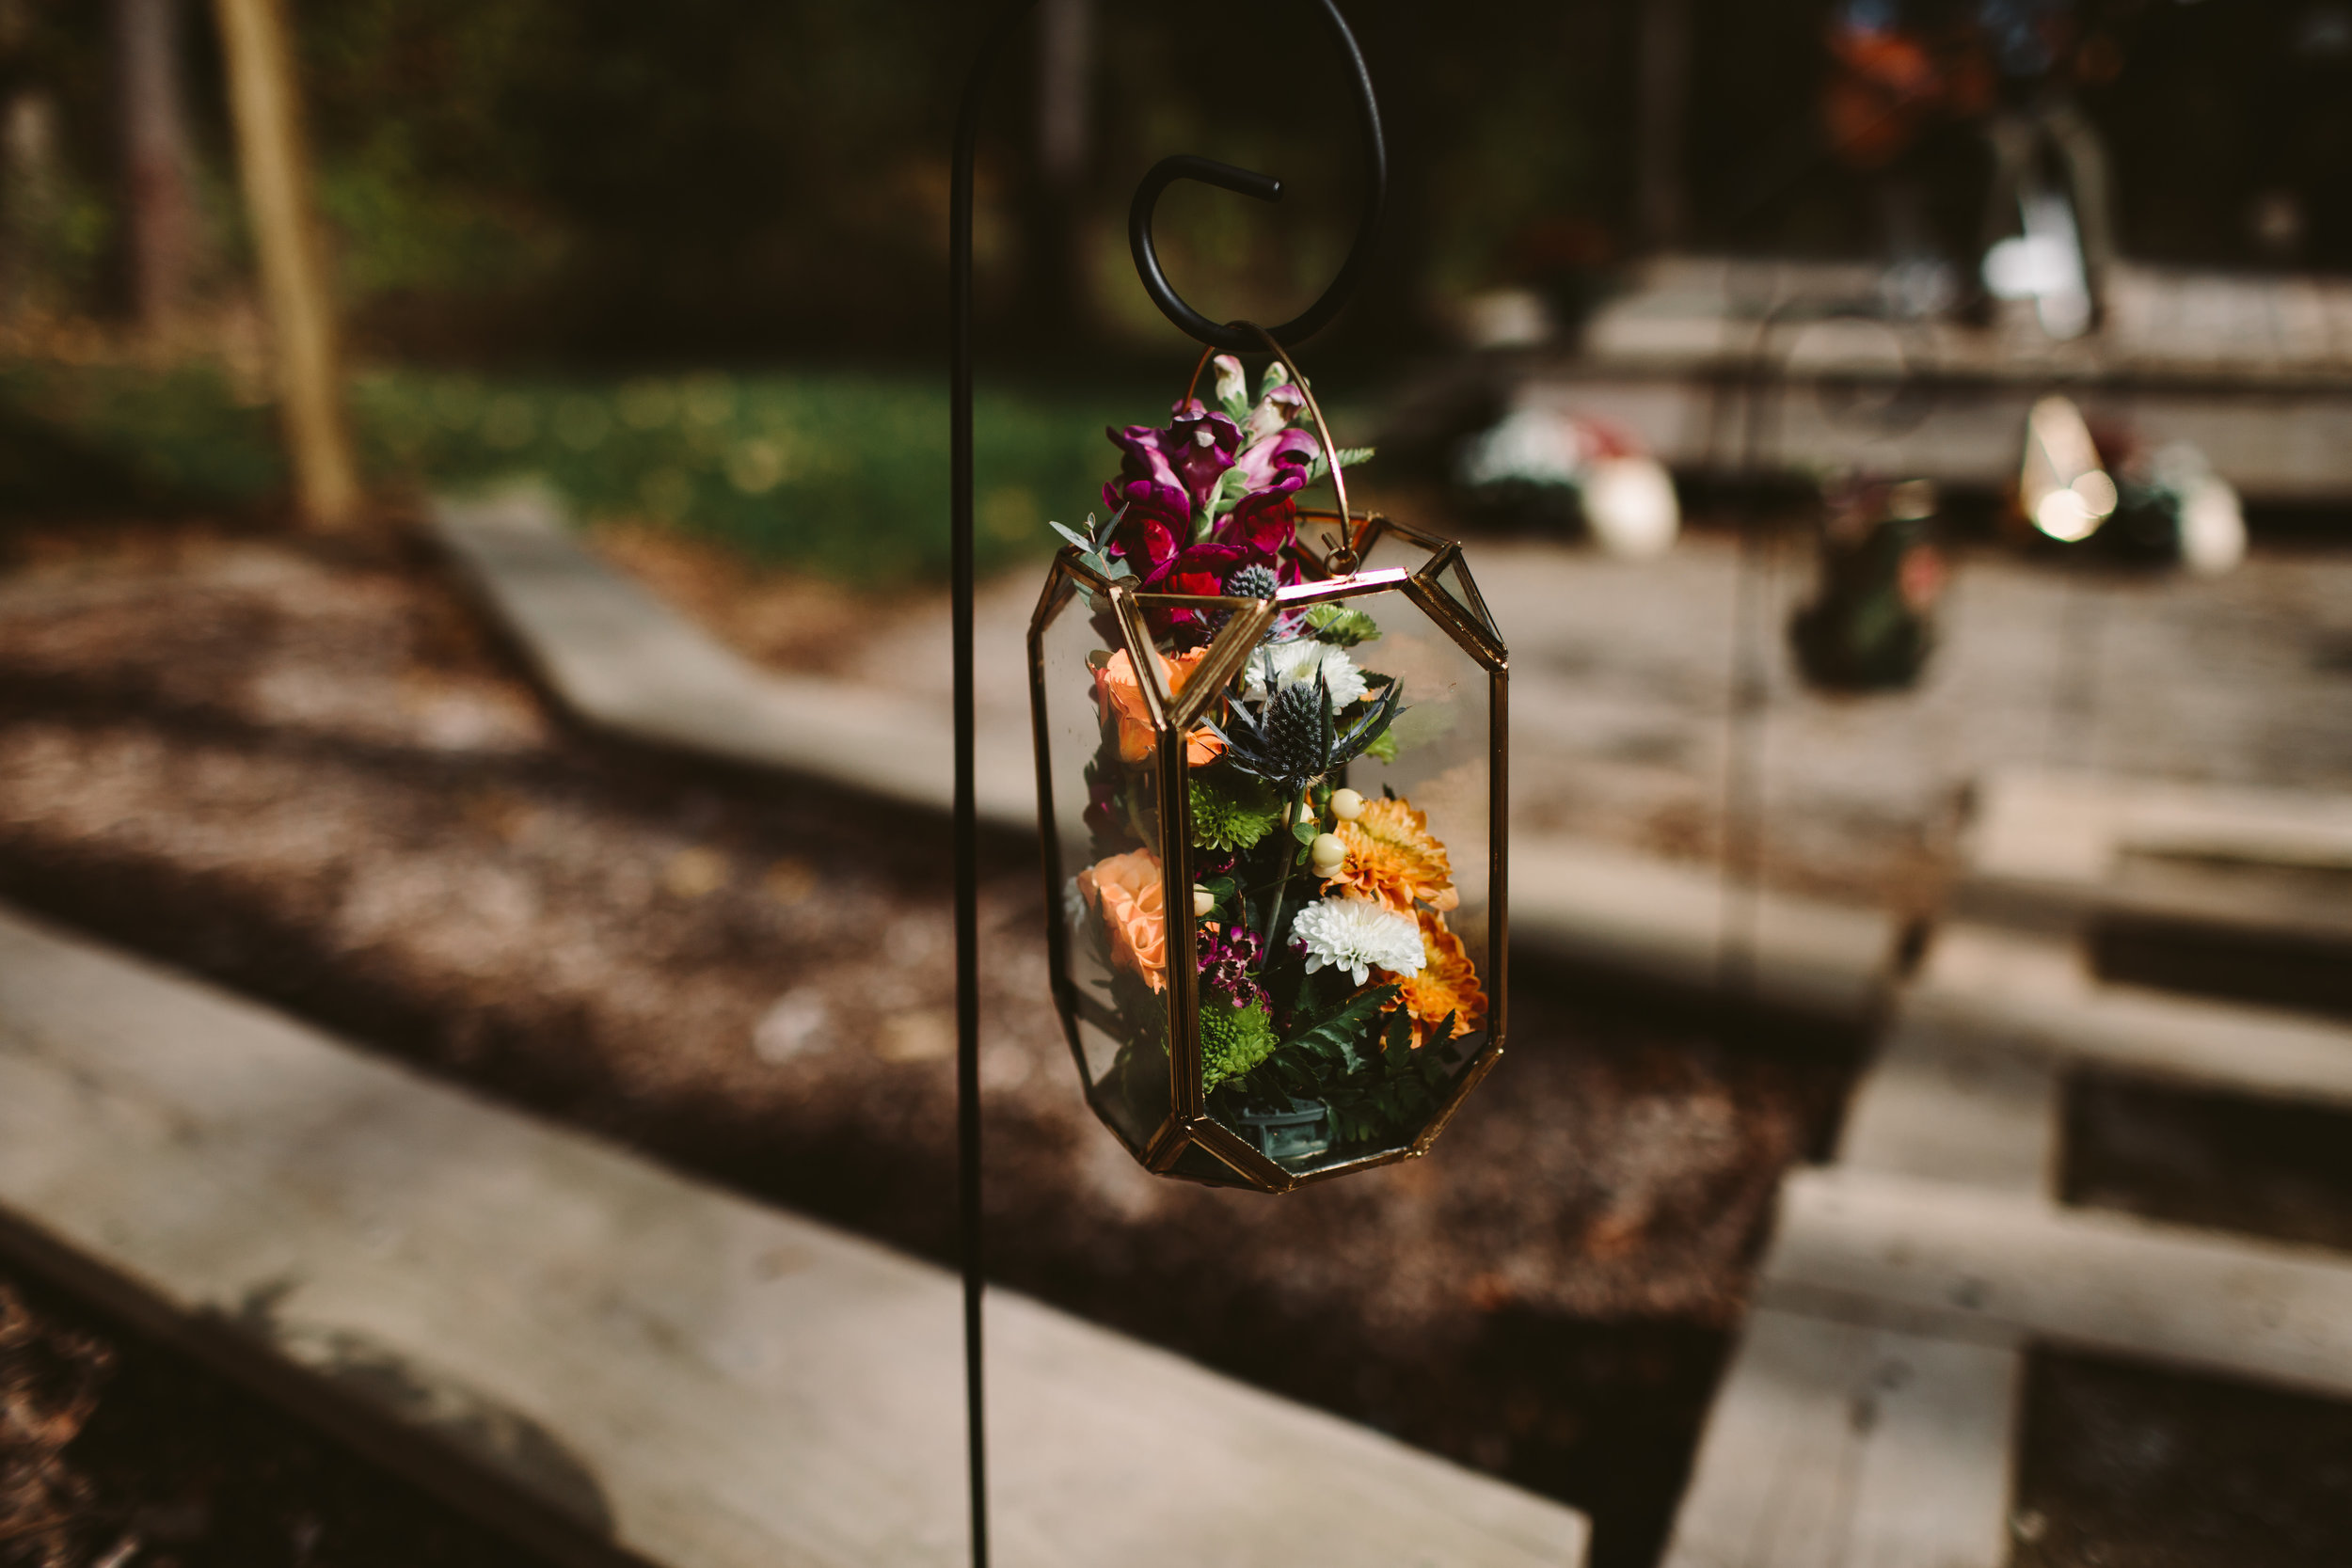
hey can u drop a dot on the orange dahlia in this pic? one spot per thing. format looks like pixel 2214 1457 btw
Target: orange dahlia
pixel 1448 983
pixel 1121 692
pixel 1393 857
pixel 1128 891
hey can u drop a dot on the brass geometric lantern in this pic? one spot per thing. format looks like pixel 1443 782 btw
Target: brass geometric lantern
pixel 1271 755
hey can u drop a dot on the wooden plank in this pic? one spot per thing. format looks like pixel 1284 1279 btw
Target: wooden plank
pixel 1666 922
pixel 2039 996
pixel 1959 1262
pixel 1833 1445
pixel 2039 826
pixel 2052 852
pixel 1841 1445
pixel 624 663
pixel 1952 1109
pixel 1934 1486
pixel 617 1360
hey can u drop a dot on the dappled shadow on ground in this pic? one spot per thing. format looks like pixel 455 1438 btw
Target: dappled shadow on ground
pixel 311 775
pixel 113 1448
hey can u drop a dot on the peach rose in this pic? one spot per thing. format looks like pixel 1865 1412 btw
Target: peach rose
pixel 1120 692
pixel 1130 895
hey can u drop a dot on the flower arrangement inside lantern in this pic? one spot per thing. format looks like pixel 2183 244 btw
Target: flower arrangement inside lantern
pixel 1270 764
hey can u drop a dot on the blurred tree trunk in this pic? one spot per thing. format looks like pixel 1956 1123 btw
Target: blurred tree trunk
pixel 29 199
pixel 157 163
pixel 1661 208
pixel 275 172
pixel 28 169
pixel 1055 281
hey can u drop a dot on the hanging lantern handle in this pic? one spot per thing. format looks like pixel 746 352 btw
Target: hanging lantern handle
pixel 1235 336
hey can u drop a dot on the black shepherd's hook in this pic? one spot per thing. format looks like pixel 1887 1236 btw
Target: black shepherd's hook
pixel 1233 338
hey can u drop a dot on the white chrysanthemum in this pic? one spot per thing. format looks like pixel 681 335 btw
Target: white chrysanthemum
pixel 1276 665
pixel 1359 936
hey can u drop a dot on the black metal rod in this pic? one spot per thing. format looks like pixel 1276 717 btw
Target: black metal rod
pixel 968 1227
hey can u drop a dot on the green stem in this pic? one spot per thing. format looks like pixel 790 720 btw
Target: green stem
pixel 1289 862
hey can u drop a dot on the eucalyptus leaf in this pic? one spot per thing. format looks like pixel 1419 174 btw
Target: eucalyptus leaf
pixel 1349 456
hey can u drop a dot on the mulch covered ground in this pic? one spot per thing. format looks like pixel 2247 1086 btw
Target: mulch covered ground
pixel 308 771
pixel 116 1452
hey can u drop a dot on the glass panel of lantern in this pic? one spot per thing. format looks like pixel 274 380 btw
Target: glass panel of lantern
pixel 1276 853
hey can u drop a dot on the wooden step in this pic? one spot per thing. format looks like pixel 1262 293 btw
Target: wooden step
pixel 1841 1445
pixel 1962 1262
pixel 2034 994
pixel 614 1361
pixel 1669 922
pixel 2052 850
pixel 629 664
pixel 1834 1445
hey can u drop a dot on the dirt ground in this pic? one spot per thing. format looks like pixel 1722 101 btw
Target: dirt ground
pixel 306 772
pixel 114 1451
pixel 2124 1466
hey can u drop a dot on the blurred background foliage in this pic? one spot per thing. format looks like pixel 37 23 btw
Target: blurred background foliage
pixel 551 205
pixel 718 181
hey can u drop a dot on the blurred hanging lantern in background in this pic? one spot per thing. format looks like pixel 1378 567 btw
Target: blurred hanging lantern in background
pixel 1550 468
pixel 2154 505
pixel 1871 623
pixel 1271 766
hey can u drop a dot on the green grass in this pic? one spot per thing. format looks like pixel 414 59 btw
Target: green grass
pixel 842 472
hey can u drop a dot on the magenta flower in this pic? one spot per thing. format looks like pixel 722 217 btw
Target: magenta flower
pixel 1169 480
pixel 1279 462
pixel 1281 405
pixel 1227 958
pixel 1173 472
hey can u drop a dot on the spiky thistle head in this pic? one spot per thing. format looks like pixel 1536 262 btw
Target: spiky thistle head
pixel 1294 737
pixel 1253 581
pixel 1297 727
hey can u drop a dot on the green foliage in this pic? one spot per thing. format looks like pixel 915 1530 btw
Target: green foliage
pixel 1343 625
pixel 1320 468
pixel 840 472
pixel 832 471
pixel 1380 1090
pixel 1334 1037
pixel 93 438
pixel 1093 547
pixel 1231 810
pixel 1233 1041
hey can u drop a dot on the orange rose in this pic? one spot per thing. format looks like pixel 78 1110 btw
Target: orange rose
pixel 1130 895
pixel 1120 692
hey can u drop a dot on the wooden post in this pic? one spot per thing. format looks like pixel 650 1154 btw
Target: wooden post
pixel 275 176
